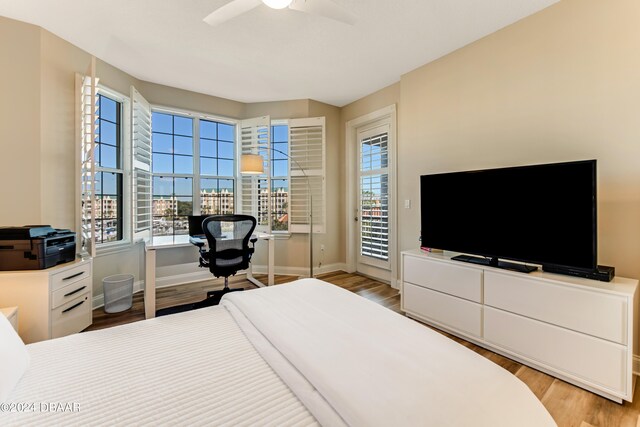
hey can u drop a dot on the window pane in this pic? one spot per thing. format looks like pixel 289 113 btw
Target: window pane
pixel 226 132
pixel 208 166
pixel 107 132
pixel 184 186
pixel 216 196
pixel 162 143
pixel 208 129
pixel 185 206
pixel 182 126
pixel 225 184
pixel 162 163
pixel 280 204
pixel 207 148
pixel 108 156
pixel 162 122
pixel 225 150
pixel 181 224
pixel 108 108
pixel 108 209
pixel 162 186
pixel 208 184
pixel 183 145
pixel 109 183
pixel 225 167
pixel 280 133
pixel 163 225
pixel 279 168
pixel 282 150
pixel 183 164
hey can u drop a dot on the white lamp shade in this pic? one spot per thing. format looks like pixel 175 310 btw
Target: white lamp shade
pixel 252 164
pixel 277 4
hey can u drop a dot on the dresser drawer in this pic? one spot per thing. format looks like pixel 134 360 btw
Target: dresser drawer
pixel 598 314
pixel 70 292
pixel 451 279
pixel 457 313
pixel 72 275
pixel 71 317
pixel 592 359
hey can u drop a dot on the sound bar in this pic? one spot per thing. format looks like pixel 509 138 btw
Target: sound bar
pixel 603 273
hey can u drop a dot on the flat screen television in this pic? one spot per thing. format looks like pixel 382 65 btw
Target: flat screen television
pixel 540 214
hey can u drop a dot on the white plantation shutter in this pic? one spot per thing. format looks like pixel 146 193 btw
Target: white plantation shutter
pixel 255 138
pixel 307 148
pixel 87 116
pixel 141 146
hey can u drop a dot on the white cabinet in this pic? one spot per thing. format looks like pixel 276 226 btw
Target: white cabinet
pixel 52 303
pixel 579 330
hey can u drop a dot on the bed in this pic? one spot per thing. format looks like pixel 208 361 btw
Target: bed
pixel 302 354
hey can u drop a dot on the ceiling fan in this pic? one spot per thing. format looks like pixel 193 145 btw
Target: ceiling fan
pixel 326 8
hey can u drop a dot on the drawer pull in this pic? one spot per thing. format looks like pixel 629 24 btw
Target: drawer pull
pixel 73 306
pixel 74 275
pixel 74 292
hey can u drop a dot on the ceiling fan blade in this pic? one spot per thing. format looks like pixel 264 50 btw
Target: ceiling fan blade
pixel 326 8
pixel 230 11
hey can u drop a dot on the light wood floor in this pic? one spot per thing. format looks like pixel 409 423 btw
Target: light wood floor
pixel 569 405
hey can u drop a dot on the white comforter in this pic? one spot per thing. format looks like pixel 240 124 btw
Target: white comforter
pixel 372 367
pixel 188 369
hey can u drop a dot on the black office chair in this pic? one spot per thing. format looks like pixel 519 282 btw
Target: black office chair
pixel 228 237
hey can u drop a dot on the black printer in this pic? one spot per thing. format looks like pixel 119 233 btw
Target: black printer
pixel 35 247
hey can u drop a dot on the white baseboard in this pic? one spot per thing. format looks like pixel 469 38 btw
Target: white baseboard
pixel 198 276
pixel 300 271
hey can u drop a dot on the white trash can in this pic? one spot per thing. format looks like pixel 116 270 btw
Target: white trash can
pixel 118 293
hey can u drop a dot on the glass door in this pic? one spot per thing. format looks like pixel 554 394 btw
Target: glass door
pixel 373 197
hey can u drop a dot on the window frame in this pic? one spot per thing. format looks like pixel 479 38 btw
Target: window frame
pixel 104 248
pixel 196 176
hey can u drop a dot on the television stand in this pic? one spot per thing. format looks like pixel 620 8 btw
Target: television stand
pixel 494 262
pixel 579 330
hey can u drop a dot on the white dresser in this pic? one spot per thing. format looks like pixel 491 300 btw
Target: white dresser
pixel 579 330
pixel 52 303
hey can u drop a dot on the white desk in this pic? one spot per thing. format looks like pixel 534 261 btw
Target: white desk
pixel 169 242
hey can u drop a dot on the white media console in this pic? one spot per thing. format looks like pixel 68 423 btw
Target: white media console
pixel 579 330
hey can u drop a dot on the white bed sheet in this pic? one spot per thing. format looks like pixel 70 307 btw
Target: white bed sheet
pixel 377 368
pixel 195 368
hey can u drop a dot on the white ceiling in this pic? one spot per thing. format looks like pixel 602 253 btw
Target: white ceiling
pixel 271 55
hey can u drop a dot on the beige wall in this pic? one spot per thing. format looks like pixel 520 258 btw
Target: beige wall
pixel 19 123
pixel 293 109
pixel 557 86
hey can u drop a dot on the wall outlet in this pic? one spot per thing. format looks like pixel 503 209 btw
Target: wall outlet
pixel 407 204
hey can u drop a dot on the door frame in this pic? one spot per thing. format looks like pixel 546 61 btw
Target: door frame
pixel 351 174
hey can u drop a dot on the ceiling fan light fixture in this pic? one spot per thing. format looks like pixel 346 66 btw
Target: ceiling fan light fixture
pixel 277 4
